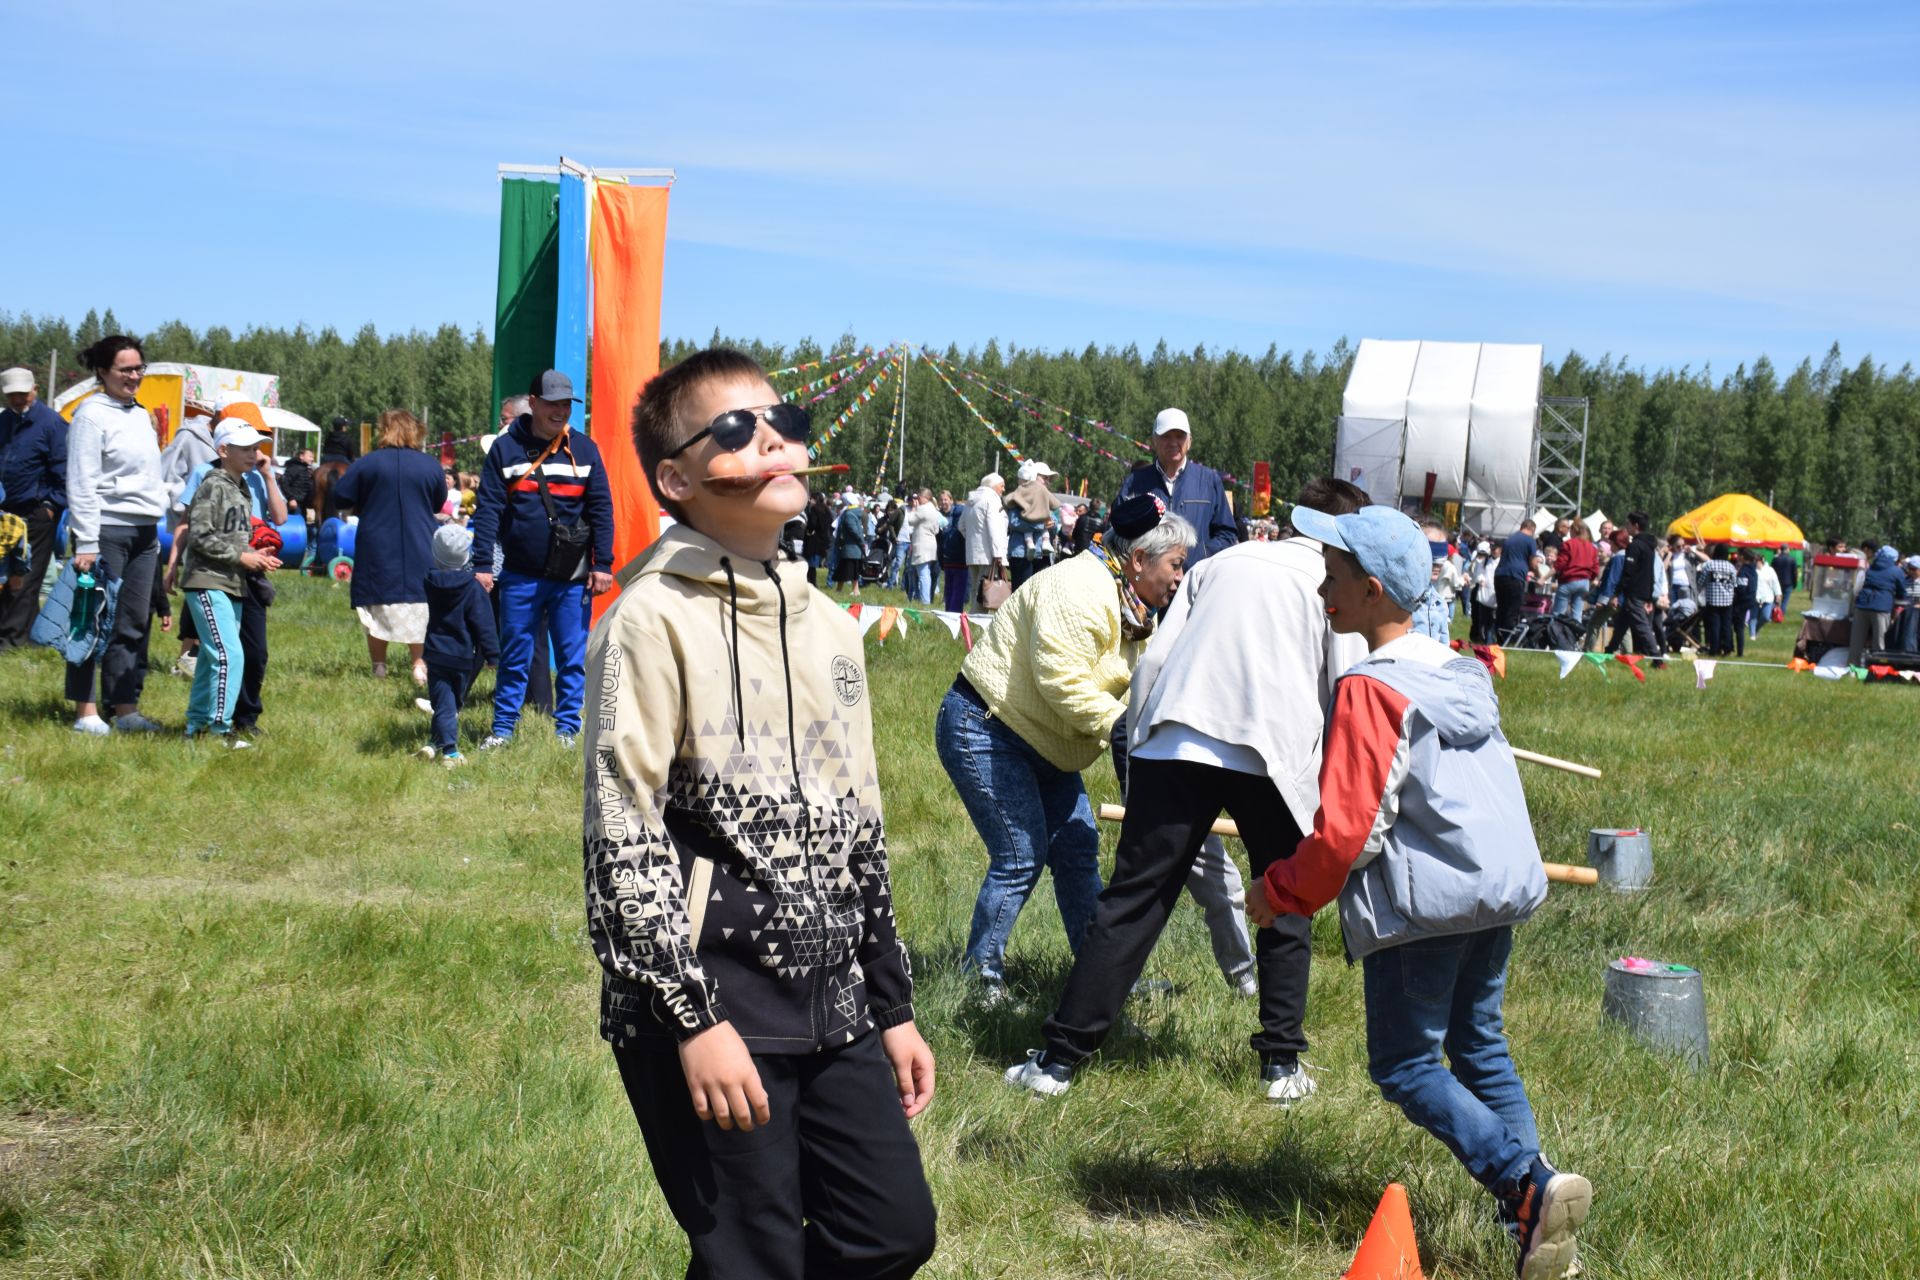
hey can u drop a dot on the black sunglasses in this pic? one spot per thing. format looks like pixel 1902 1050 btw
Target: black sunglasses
pixel 733 430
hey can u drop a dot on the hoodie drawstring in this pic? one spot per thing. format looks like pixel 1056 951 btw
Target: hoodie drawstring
pixel 793 743
pixel 739 700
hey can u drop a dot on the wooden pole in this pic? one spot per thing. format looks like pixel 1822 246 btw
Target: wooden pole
pixel 1558 872
pixel 1554 762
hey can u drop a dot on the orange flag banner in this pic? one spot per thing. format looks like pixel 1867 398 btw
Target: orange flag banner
pixel 629 252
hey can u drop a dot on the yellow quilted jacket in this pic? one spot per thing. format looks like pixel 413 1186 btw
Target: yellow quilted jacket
pixel 1053 665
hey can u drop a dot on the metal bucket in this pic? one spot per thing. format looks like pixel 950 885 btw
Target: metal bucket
pixel 1663 1005
pixel 1624 858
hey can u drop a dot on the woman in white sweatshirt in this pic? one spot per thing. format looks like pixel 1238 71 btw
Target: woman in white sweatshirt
pixel 116 497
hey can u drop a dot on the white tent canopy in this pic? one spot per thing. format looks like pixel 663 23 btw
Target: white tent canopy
pixel 1451 421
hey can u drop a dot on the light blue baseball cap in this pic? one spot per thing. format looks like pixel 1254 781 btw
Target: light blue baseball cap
pixel 1386 542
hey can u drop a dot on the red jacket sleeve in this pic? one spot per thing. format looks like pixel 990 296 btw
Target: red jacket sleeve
pixel 1359 770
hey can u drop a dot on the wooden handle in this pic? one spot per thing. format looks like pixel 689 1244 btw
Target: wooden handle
pixel 1554 762
pixel 1558 872
pixel 1118 813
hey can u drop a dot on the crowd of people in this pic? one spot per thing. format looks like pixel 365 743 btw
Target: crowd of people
pixel 738 897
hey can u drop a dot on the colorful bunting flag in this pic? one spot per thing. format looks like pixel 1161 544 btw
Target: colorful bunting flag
pixel 1702 671
pixel 1568 659
pixel 1632 663
pixel 888 616
pixel 1599 660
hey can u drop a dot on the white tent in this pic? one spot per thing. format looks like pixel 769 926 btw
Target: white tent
pixel 1453 422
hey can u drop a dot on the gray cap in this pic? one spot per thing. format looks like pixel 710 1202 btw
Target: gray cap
pixel 553 385
pixel 451 545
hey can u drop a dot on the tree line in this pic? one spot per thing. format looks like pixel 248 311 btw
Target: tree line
pixel 1831 444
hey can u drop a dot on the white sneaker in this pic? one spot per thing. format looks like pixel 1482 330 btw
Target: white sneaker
pixel 1045 1080
pixel 424 705
pixel 183 666
pixel 236 743
pixel 1287 1082
pixel 1247 986
pixel 425 753
pixel 492 742
pixel 93 725
pixel 134 722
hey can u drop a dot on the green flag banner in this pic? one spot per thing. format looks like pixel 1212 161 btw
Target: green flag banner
pixel 528 298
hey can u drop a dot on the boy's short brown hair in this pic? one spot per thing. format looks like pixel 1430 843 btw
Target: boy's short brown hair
pixel 657 429
pixel 1335 497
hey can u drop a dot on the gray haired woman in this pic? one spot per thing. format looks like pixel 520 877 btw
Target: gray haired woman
pixel 1034 704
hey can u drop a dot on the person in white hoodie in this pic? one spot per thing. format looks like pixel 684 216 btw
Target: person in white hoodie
pixel 116 497
pixel 1227 710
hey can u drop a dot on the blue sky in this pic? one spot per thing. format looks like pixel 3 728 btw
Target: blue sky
pixel 1678 183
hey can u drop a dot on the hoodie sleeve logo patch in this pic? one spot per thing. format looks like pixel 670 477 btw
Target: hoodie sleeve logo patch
pixel 848 682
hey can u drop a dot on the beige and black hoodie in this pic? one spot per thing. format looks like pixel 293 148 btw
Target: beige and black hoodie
pixel 736 865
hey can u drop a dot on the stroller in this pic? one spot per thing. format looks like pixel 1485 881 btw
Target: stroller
pixel 1544 631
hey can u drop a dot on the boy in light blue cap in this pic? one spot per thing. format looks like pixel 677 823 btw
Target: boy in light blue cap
pixel 1423 836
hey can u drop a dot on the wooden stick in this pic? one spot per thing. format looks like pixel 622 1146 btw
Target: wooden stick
pixel 745 481
pixel 1559 872
pixel 1118 813
pixel 1554 762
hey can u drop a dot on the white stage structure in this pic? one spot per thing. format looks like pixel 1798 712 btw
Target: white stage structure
pixel 1444 424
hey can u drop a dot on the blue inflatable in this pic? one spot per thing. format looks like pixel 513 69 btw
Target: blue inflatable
pixel 335 540
pixel 293 539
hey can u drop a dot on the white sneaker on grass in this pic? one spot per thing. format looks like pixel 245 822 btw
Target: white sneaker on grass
pixel 425 753
pixel 1287 1082
pixel 134 722
pixel 184 664
pixel 424 705
pixel 93 726
pixel 1038 1076
pixel 493 742
pixel 235 742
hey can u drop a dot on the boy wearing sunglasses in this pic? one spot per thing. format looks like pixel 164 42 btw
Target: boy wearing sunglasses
pixel 754 990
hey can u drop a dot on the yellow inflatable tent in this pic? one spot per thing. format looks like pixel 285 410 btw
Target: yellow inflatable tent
pixel 1739 521
pixel 168 388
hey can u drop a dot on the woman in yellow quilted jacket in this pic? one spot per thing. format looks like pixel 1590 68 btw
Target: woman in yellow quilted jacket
pixel 1035 703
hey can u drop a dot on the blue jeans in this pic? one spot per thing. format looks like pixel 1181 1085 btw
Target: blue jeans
pixel 1444 993
pixel 526 605
pixel 1032 816
pixel 447 690
pixel 899 565
pixel 920 582
pixel 1570 598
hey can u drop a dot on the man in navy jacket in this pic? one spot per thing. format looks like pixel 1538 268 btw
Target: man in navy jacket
pixel 33 475
pixel 1191 491
pixel 538 585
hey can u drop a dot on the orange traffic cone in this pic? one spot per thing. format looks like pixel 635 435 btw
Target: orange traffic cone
pixel 1388 1250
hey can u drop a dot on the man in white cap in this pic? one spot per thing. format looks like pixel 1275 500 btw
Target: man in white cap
pixel 33 477
pixel 1190 490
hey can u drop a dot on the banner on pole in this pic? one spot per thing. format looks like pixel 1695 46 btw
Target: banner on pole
pixel 527 297
pixel 629 254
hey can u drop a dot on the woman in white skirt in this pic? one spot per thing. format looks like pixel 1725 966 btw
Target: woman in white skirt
pixel 397 491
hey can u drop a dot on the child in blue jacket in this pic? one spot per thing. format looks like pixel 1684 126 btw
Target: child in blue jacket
pixel 460 638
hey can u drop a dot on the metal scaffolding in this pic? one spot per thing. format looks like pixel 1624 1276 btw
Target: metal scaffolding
pixel 1560 454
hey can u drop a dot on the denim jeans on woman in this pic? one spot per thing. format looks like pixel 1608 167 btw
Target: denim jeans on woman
pixel 132 555
pixel 1436 995
pixel 1032 816
pixel 1570 600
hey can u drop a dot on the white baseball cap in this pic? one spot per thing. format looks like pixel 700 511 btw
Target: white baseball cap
pixel 1171 420
pixel 16 379
pixel 236 431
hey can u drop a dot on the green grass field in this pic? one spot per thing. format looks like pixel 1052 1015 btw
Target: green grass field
pixel 322 1010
